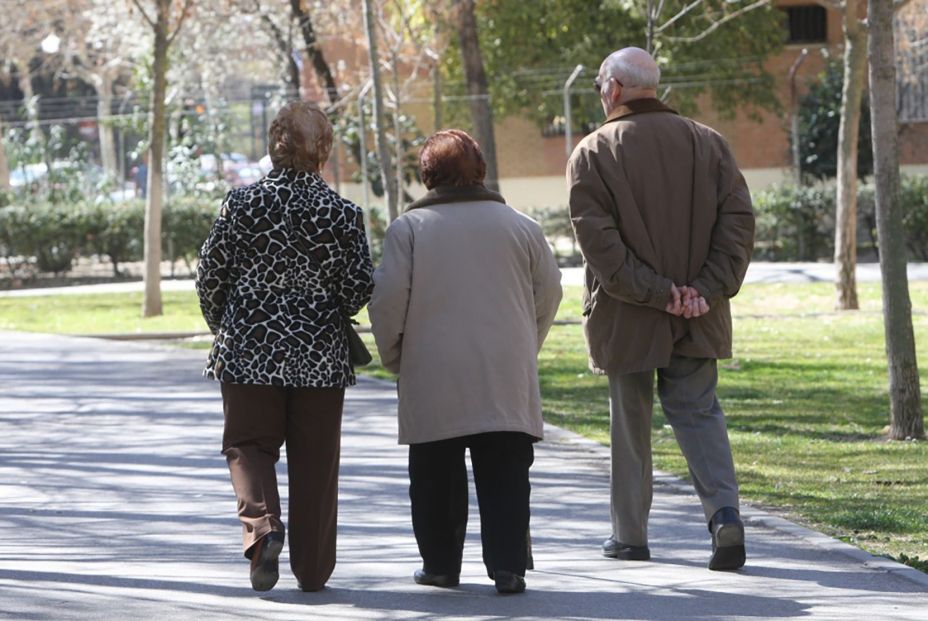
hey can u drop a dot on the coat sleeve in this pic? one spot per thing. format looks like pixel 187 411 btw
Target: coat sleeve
pixel 546 286
pixel 356 282
pixel 732 235
pixel 214 277
pixel 390 302
pixel 620 272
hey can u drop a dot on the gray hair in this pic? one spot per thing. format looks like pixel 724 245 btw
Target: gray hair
pixel 630 67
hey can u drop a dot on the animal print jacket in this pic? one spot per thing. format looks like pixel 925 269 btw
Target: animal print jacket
pixel 276 312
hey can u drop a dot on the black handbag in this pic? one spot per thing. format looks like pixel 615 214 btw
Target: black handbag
pixel 358 353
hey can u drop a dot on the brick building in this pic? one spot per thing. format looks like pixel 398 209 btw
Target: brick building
pixel 531 161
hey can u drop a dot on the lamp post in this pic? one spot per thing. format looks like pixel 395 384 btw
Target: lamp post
pixel 568 129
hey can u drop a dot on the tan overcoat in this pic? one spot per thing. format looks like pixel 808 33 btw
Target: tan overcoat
pixel 463 299
pixel 657 199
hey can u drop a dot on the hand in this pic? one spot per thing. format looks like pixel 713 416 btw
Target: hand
pixel 675 305
pixel 694 305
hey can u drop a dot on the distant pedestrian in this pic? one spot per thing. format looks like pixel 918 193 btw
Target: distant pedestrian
pixel 664 221
pixel 285 264
pixel 141 177
pixel 462 302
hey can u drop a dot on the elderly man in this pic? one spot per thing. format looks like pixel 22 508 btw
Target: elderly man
pixel 664 220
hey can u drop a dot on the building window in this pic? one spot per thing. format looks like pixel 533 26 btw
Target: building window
pixel 807 24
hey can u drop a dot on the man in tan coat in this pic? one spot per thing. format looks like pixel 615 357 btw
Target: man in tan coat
pixel 664 220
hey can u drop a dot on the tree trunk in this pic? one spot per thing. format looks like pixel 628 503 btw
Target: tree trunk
pixel 905 399
pixel 4 163
pixel 151 306
pixel 30 102
pixel 480 110
pixel 436 97
pixel 284 52
pixel 320 66
pixel 108 159
pixel 391 192
pixel 855 77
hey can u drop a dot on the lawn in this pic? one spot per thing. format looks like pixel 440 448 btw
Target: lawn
pixel 805 397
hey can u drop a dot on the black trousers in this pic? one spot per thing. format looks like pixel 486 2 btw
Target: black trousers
pixel 438 491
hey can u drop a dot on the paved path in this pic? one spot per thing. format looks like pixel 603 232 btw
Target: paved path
pixel 758 272
pixel 115 504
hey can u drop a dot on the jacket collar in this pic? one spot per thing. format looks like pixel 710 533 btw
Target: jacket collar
pixel 456 194
pixel 293 176
pixel 638 106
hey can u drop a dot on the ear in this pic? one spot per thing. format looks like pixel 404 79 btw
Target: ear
pixel 613 92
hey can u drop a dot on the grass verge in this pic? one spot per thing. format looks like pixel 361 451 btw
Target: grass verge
pixel 805 397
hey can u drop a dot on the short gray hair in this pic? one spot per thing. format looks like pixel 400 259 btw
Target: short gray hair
pixel 631 74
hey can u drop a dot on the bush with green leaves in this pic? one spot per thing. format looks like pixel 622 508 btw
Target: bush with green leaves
pixel 797 223
pixel 54 235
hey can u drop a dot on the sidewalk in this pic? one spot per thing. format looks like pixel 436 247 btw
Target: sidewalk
pixel 115 504
pixel 758 272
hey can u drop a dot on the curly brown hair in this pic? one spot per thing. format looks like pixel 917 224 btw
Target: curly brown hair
pixel 300 137
pixel 451 157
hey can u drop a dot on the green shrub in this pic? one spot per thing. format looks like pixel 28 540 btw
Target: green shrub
pixel 795 223
pixel 186 223
pixel 54 235
pixel 114 231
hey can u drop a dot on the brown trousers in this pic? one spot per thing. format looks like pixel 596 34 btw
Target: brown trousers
pixel 258 420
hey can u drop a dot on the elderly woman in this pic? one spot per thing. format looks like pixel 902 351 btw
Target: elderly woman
pixel 284 266
pixel 463 300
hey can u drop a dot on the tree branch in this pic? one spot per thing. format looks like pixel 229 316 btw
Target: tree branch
pixel 898 5
pixel 672 20
pixel 180 21
pixel 716 24
pixel 141 9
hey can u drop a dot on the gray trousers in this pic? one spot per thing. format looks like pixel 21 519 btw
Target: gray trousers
pixel 687 392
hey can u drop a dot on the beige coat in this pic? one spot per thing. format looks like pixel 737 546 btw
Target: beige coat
pixel 657 199
pixel 462 302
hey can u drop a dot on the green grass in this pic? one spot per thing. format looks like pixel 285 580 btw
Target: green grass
pixel 805 397
pixel 100 313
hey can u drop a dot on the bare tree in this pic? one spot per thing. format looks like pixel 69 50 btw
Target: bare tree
pixel 854 24
pixel 166 24
pixel 710 18
pixel 905 398
pixel 391 191
pixel 99 44
pixel 481 111
pixel 4 163
pixel 280 36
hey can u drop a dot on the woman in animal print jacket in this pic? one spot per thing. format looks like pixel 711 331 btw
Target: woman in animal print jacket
pixel 285 264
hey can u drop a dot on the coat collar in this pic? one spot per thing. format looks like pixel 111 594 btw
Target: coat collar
pixel 638 106
pixel 456 194
pixel 293 176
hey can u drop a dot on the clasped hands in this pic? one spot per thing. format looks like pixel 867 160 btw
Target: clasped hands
pixel 686 302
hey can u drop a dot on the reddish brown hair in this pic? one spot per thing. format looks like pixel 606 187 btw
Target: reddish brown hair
pixel 451 157
pixel 300 137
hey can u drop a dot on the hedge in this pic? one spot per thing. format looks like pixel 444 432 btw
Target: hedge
pixel 793 224
pixel 797 223
pixel 55 235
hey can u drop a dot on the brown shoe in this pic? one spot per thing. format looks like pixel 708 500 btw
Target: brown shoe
pixel 264 570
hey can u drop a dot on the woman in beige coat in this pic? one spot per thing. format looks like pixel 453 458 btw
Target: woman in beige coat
pixel 463 300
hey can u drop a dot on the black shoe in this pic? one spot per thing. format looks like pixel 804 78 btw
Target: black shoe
pixel 264 571
pixel 623 552
pixel 508 582
pixel 727 540
pixel 438 580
